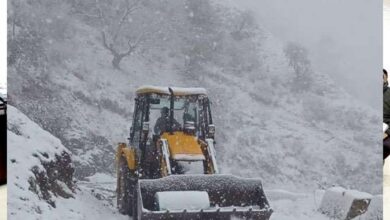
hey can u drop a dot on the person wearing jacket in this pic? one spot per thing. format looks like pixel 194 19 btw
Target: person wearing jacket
pixel 162 123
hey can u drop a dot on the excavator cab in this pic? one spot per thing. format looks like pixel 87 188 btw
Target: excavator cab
pixel 188 123
pixel 171 157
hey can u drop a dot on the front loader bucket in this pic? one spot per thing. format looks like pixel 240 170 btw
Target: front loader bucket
pixel 228 197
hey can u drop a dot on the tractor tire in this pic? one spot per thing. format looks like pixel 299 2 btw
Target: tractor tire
pixel 125 189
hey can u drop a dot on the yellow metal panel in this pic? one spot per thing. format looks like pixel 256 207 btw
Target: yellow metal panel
pixel 181 143
pixel 128 153
pixel 119 151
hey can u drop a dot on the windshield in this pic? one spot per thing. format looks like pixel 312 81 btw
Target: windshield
pixel 185 110
pixel 164 101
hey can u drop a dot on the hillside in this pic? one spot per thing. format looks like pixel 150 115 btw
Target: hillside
pixel 41 185
pixel 276 117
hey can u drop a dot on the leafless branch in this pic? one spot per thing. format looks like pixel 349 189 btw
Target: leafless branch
pixel 109 47
pixel 100 13
pixel 129 9
pixel 83 13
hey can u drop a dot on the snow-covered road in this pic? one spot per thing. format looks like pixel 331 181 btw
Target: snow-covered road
pixel 97 195
pixel 295 206
pixel 94 200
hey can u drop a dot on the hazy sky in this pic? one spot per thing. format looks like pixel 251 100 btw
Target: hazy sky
pixel 344 38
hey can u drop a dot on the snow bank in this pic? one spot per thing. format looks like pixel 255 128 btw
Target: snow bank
pixel 41 168
pixel 180 200
pixel 340 203
pixel 295 206
pixel 35 154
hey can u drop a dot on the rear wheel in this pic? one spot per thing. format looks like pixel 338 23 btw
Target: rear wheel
pixel 125 189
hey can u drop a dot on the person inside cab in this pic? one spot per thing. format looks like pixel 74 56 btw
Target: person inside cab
pixel 162 123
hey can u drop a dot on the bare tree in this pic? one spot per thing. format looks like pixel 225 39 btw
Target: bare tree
pixel 118 56
pixel 120 35
pixel 245 24
pixel 298 59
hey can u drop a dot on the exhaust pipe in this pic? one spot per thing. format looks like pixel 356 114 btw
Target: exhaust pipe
pixel 171 110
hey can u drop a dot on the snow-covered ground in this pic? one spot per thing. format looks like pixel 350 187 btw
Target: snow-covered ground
pixel 99 193
pixel 94 198
pixel 292 205
pixel 40 145
pixel 85 205
pixel 24 132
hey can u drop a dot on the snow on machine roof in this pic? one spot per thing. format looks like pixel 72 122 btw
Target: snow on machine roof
pixel 176 90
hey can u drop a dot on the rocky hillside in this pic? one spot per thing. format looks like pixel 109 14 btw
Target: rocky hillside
pixel 41 166
pixel 277 118
pixel 41 183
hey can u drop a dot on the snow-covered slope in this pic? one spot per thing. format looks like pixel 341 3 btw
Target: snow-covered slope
pixel 32 150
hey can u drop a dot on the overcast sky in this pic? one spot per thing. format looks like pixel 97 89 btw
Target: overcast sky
pixel 344 38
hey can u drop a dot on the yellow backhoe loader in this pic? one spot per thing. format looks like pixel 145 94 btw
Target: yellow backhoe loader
pixel 168 170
